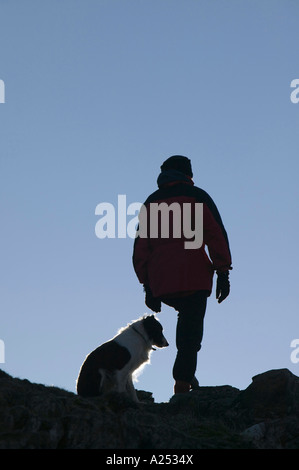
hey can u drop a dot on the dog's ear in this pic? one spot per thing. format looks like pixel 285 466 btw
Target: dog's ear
pixel 149 319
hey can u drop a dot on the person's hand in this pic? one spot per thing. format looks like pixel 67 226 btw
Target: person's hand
pixel 150 301
pixel 222 286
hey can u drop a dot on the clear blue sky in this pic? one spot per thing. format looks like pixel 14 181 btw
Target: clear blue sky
pixel 97 94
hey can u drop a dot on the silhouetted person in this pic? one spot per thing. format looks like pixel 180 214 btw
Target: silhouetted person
pixel 181 277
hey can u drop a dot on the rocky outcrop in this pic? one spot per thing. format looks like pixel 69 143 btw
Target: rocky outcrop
pixel 264 415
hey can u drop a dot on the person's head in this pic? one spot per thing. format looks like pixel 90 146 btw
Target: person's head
pixel 179 163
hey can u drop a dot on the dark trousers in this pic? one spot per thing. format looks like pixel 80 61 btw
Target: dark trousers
pixel 189 332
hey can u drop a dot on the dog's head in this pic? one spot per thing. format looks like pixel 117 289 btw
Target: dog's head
pixel 154 330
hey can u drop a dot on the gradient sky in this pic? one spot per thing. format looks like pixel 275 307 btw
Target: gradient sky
pixel 98 93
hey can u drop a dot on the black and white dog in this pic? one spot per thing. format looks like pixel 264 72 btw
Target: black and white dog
pixel 110 367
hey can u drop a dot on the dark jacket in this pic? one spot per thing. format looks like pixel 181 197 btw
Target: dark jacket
pixel 164 263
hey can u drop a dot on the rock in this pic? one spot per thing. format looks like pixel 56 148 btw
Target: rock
pixel 255 433
pixel 272 394
pixel 271 402
pixel 264 415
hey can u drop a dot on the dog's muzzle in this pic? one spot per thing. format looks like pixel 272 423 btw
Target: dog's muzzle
pixel 164 343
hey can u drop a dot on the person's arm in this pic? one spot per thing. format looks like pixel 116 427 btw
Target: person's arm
pixel 216 239
pixel 141 253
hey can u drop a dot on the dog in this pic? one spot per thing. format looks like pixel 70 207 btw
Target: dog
pixel 110 367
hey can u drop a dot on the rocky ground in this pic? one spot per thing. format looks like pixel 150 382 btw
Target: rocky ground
pixel 263 416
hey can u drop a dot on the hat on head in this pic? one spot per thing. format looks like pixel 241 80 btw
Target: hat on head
pixel 179 163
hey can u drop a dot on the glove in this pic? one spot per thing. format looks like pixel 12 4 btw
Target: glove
pixel 150 301
pixel 222 286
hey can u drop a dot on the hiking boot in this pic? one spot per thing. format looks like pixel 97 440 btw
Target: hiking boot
pixel 194 384
pixel 181 387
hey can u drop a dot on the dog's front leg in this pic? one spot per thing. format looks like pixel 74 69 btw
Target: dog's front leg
pixel 131 390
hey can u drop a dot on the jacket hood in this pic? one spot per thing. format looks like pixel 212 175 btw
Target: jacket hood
pixel 170 177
